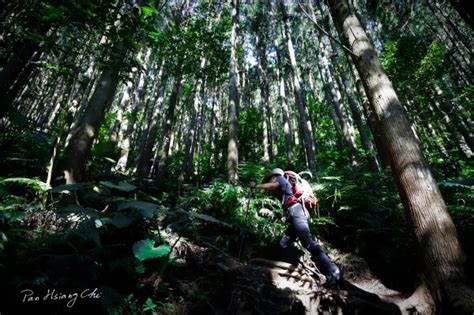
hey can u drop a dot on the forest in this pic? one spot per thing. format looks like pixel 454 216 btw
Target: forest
pixel 143 145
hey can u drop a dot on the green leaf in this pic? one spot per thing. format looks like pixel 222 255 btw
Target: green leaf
pixel 111 161
pixel 146 249
pixel 123 186
pixel 30 182
pixel 148 209
pixel 149 10
pixel 120 221
pixel 154 35
pixel 149 305
pixel 203 217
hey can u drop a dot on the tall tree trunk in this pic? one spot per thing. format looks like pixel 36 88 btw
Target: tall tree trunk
pixel 368 113
pixel 232 149
pixel 335 100
pixel 464 40
pixel 191 137
pixel 305 123
pixel 145 155
pixel 168 126
pixel 287 129
pixel 78 149
pixel 260 43
pixel 436 235
pixel 19 66
pixel 366 143
pixel 137 96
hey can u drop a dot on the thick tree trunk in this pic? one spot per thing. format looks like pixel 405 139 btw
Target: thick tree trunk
pixel 439 245
pixel 232 149
pixel 78 149
pixel 305 123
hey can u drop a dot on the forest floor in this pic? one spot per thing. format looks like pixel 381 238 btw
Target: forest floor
pixel 266 286
pixel 104 235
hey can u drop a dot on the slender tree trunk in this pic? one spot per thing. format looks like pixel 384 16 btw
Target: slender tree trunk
pixel 232 150
pixel 260 39
pixel 438 241
pixel 462 6
pixel 287 130
pixel 454 41
pixel 145 155
pixel 21 61
pixel 335 100
pixel 368 113
pixel 190 146
pixel 168 126
pixel 464 40
pixel 305 123
pixel 366 143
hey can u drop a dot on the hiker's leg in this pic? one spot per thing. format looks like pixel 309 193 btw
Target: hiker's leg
pixel 300 224
pixel 286 243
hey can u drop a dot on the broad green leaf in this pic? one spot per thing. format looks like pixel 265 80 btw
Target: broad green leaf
pixel 30 182
pixel 148 209
pixel 123 186
pixel 203 217
pixel 120 221
pixel 146 249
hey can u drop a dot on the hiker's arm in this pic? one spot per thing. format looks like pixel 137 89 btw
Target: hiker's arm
pixel 266 186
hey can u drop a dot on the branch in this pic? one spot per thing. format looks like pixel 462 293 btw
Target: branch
pixel 326 33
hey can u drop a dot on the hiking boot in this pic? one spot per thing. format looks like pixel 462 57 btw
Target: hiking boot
pixel 333 276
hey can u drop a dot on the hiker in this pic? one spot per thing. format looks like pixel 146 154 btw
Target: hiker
pixel 297 219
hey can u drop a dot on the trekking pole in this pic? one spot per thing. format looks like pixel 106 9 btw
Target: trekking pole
pixel 245 223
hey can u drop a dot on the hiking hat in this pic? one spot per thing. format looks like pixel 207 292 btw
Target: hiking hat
pixel 274 172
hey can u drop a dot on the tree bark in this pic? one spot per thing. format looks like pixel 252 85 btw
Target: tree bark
pixel 287 129
pixel 190 146
pixel 19 63
pixel 145 155
pixel 305 123
pixel 368 113
pixel 168 126
pixel 260 43
pixel 436 235
pixel 232 149
pixel 78 149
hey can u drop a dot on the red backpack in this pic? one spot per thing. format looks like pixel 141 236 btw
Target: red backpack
pixel 302 191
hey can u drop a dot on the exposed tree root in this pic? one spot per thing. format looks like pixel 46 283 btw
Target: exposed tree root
pixel 272 287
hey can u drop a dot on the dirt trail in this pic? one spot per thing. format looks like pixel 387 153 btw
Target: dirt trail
pixel 264 286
